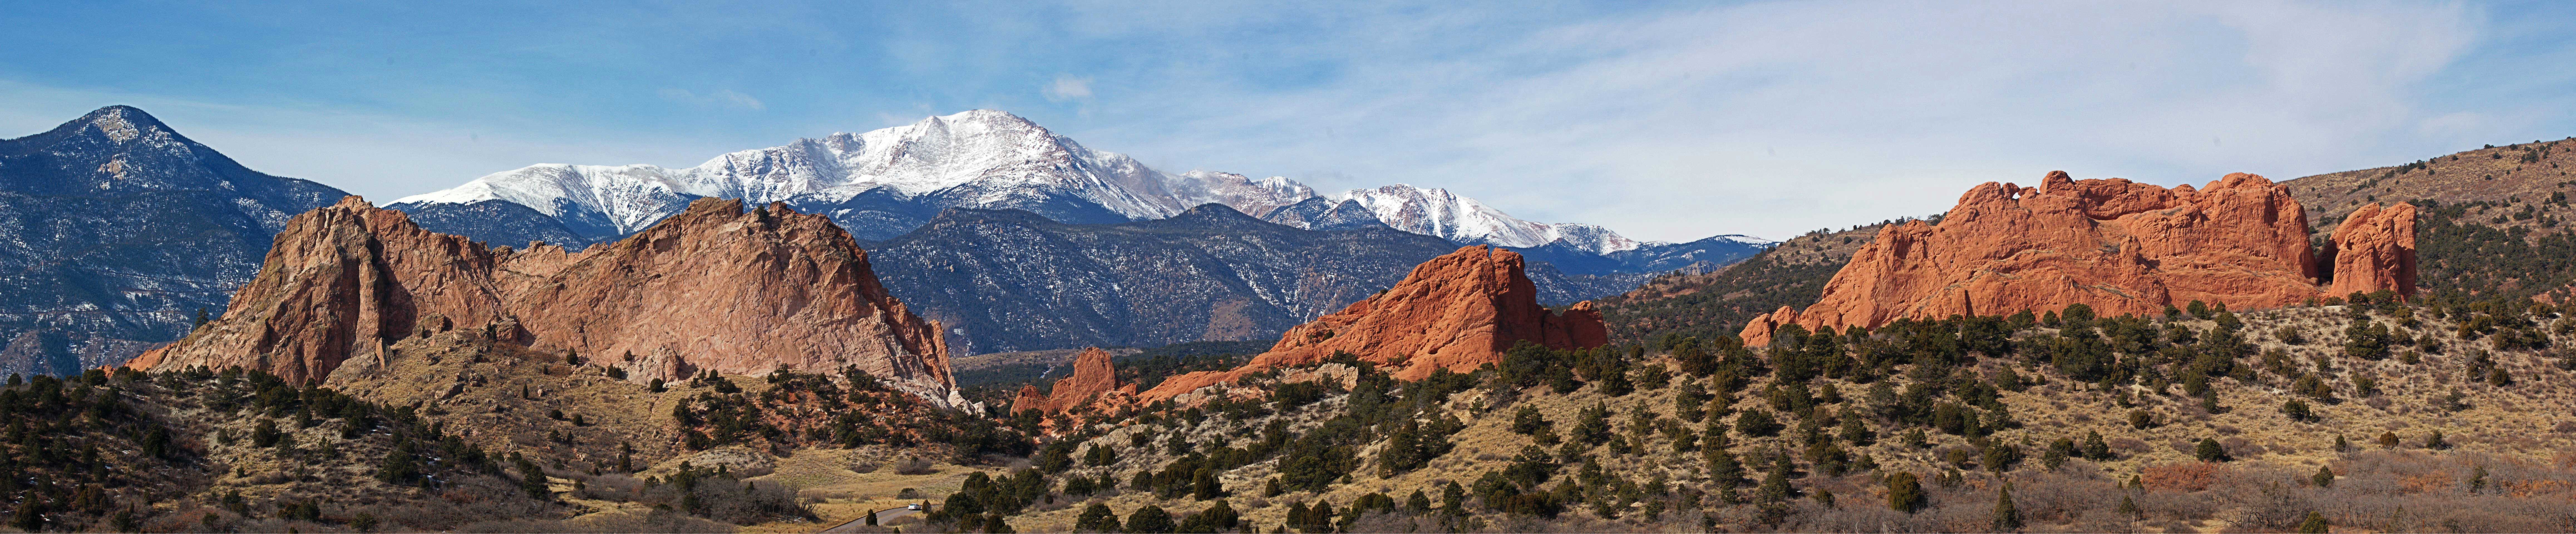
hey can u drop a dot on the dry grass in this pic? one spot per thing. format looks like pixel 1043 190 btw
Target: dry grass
pixel 2518 425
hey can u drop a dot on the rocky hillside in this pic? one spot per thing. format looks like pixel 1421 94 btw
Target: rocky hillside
pixel 713 288
pixel 2492 220
pixel 2118 246
pixel 116 232
pixel 1010 280
pixel 2510 176
pixel 1718 302
pixel 2342 415
pixel 1452 314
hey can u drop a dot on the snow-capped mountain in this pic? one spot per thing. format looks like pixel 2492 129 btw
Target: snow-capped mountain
pixel 884 183
pixel 1252 197
pixel 880 183
pixel 1440 213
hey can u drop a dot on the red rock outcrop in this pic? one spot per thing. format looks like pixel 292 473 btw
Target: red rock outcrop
pixel 1028 399
pixel 1092 377
pixel 2375 250
pixel 2117 246
pixel 711 288
pixel 1458 312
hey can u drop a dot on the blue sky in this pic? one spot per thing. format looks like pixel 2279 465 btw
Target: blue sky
pixel 1663 121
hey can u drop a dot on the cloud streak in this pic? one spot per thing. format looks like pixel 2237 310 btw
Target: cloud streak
pixel 1778 118
pixel 1067 88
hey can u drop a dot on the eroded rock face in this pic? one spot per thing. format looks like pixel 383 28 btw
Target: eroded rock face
pixel 2117 246
pixel 2375 250
pixel 713 288
pixel 1028 399
pixel 1092 377
pixel 1458 312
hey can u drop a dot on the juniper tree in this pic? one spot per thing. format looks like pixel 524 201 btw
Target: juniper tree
pixel 2316 524
pixel 2209 451
pixel 1905 493
pixel 2007 519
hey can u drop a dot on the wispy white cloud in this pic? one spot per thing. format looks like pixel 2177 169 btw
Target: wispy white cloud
pixel 1776 118
pixel 1664 121
pixel 1066 88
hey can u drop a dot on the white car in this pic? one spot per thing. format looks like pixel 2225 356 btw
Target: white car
pixel 913 506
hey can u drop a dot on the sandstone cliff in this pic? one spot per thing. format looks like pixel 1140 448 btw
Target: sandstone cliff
pixel 1092 378
pixel 1458 312
pixel 2117 246
pixel 713 288
pixel 2375 250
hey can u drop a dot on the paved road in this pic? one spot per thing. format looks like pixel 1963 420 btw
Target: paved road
pixel 883 517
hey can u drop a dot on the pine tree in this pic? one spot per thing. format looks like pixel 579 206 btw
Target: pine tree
pixel 1096 518
pixel 2325 477
pixel 1724 470
pixel 1149 520
pixel 1453 499
pixel 533 479
pixel 1856 431
pixel 2210 451
pixel 30 515
pixel 1905 493
pixel 2436 442
pixel 2007 519
pixel 1204 485
pixel 1775 485
pixel 2094 448
pixel 2129 507
pixel 2316 524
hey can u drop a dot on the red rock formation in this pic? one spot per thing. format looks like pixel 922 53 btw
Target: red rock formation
pixel 2117 246
pixel 1458 312
pixel 2375 250
pixel 711 288
pixel 1092 377
pixel 1028 399
pixel 1758 331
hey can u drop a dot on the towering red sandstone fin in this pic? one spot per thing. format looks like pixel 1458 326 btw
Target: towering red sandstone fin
pixel 2375 250
pixel 1458 312
pixel 711 288
pixel 2118 246
pixel 1092 377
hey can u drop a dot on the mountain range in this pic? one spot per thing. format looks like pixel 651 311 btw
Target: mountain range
pixel 883 183
pixel 1009 280
pixel 117 233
